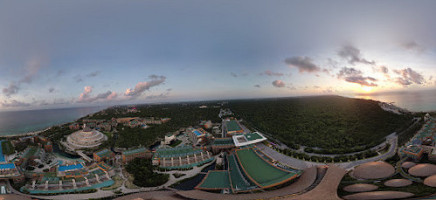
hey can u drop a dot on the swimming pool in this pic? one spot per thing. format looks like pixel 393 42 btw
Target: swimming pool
pixel 70 167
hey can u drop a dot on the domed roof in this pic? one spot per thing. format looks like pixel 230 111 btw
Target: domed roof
pixel 423 170
pixel 398 182
pixel 374 170
pixel 408 165
pixel 379 195
pixel 360 187
pixel 430 181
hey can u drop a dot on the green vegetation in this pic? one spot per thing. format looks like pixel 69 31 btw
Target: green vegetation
pixel 142 171
pixel 174 143
pixel 335 124
pixel 182 115
pixel 56 133
pixel 7 147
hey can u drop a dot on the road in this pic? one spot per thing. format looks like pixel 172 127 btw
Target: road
pixel 301 164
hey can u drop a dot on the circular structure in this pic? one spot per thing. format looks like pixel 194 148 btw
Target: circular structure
pixel 379 195
pixel 430 181
pixel 423 170
pixel 407 165
pixel 374 170
pixel 398 183
pixel 362 187
pixel 85 139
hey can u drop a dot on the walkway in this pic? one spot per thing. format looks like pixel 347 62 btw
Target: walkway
pixel 301 164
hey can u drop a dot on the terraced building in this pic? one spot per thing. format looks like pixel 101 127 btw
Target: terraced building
pixel 181 157
pixel 247 170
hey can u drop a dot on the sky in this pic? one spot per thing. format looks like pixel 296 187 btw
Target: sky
pixel 84 53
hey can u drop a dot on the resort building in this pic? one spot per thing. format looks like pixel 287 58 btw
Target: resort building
pixel 232 127
pixel 220 144
pixel 196 136
pixel 247 170
pixel 248 139
pixel 182 157
pixel 169 138
pixel 129 155
pixel 48 147
pixel 8 170
pixel 84 139
pixel 103 155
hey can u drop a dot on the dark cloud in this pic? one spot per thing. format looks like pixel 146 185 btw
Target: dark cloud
pixel 271 73
pixel 233 74
pixel 381 69
pixel 356 76
pixel 413 46
pixel 11 89
pixel 93 74
pixel 303 63
pixel 353 55
pixel 14 103
pixel 51 90
pixel 160 96
pixel 78 78
pixel 258 86
pixel 141 87
pixel 278 83
pixel 409 76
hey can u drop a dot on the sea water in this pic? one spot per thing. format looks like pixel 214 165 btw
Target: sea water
pixel 17 122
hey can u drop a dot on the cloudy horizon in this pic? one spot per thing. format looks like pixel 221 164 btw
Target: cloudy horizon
pixel 82 53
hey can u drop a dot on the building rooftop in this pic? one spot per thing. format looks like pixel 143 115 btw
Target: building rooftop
pixel 233 125
pixel 215 180
pixel 176 152
pixel 223 141
pixel 134 151
pixel 104 153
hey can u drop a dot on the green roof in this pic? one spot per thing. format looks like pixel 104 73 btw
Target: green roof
pixel 215 180
pixel 104 153
pixel 252 136
pixel 233 125
pixel 135 151
pixel 223 141
pixel 238 180
pixel 262 172
pixel 176 152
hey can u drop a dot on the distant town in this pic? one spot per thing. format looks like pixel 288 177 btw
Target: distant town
pixel 223 157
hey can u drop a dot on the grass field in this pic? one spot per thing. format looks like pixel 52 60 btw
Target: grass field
pixel 259 170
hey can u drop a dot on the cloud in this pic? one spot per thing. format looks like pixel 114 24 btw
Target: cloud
pixel 51 90
pixel 13 103
pixel 278 83
pixel 303 63
pixel 408 76
pixel 355 76
pixel 78 78
pixel 258 86
pixel 31 69
pixel 93 74
pixel 85 96
pixel 271 73
pixel 11 89
pixel 413 46
pixel 352 54
pixel 141 87
pixel 381 69
pixel 160 96
pixel 233 74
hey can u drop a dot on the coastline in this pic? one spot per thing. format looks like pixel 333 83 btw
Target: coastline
pixel 41 130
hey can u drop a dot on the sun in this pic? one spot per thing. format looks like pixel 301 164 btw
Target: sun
pixel 366 89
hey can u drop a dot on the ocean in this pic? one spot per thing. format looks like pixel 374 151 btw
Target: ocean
pixel 415 101
pixel 17 122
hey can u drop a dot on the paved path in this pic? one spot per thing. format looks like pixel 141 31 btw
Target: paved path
pixel 301 164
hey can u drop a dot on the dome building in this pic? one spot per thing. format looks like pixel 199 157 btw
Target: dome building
pixel 85 139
